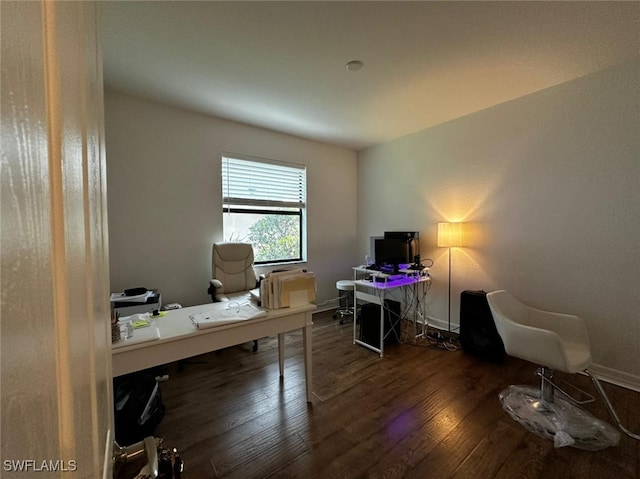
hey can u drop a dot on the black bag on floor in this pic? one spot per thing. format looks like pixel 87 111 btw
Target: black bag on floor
pixel 138 407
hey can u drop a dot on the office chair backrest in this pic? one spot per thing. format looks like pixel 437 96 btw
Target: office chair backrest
pixel 232 264
pixel 555 340
pixel 505 308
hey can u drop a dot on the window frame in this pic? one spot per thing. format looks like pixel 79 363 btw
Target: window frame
pixel 247 205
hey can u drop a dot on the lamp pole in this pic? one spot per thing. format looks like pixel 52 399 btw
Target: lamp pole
pixel 449 309
pixel 450 235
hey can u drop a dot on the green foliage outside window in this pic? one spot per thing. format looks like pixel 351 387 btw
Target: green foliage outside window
pixel 276 237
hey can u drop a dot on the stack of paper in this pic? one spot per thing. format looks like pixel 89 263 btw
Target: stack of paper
pixel 232 314
pixel 286 289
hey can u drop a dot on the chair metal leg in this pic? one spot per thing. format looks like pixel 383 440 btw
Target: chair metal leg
pixel 547 387
pixel 346 311
pixel 612 411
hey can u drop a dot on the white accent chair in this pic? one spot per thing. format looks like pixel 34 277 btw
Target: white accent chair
pixel 234 276
pixel 554 341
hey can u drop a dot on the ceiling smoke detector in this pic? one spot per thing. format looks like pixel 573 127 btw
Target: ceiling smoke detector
pixel 354 65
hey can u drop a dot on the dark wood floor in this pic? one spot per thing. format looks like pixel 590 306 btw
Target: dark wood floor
pixel 420 412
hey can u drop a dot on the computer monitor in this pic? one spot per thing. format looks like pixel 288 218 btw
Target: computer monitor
pixel 412 240
pixel 392 252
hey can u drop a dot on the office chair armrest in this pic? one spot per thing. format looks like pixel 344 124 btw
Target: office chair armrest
pixel 539 346
pixel 568 327
pixel 214 284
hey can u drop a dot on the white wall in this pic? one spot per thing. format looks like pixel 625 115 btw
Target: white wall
pixel 164 190
pixel 551 184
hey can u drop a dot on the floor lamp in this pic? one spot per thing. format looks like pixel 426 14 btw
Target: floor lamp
pixel 450 236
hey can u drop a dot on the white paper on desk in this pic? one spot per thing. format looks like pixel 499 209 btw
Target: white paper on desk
pixel 139 336
pixel 233 314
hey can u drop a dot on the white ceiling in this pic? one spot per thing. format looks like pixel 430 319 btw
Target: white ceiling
pixel 281 65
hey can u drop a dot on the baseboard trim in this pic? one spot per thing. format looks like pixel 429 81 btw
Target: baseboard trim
pixel 442 325
pixel 327 305
pixel 613 376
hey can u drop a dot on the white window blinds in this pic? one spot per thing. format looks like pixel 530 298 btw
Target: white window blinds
pixel 262 183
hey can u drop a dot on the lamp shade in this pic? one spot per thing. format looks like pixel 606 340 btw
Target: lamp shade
pixel 450 234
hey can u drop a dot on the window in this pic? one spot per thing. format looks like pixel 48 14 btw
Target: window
pixel 264 204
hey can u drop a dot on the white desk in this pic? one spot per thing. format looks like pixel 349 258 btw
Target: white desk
pixel 173 337
pixel 376 291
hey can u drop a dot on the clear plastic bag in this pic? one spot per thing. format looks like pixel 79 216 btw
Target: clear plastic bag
pixel 562 421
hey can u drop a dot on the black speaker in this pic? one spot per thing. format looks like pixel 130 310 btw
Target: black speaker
pixel 478 333
pixel 369 318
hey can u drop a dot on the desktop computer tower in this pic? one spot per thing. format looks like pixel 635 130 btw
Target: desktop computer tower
pixel 369 319
pixel 478 333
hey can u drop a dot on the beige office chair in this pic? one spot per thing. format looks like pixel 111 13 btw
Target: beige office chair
pixel 233 274
pixel 556 342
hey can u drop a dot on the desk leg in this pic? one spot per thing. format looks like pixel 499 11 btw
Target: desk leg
pixel 308 378
pixel 355 319
pixel 382 311
pixel 281 353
